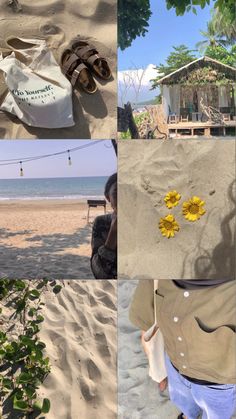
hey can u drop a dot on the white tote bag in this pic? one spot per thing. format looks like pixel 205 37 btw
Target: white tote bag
pixel 154 344
pixel 37 91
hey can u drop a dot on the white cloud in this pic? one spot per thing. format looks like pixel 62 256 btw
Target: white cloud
pixel 134 85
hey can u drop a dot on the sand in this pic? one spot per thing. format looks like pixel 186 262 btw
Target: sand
pixel 59 22
pixel 147 171
pixel 46 239
pixel 79 331
pixel 138 394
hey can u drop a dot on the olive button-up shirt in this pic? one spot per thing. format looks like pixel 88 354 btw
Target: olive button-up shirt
pixel 198 326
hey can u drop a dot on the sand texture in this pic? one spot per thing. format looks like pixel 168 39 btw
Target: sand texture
pixel 59 22
pixel 46 239
pixel 138 394
pixel 79 331
pixel 201 249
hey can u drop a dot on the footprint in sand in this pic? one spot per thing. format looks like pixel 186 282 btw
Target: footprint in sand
pixel 87 392
pixel 93 371
pixel 42 7
pixel 104 320
pixel 103 348
pixel 106 300
pixel 82 319
pixel 97 10
pixel 50 29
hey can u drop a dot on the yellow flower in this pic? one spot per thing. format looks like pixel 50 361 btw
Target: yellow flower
pixel 193 208
pixel 168 226
pixel 172 199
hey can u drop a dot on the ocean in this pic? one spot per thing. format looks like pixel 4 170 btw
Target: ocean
pixel 52 188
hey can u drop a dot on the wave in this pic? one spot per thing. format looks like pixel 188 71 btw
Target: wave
pixel 42 198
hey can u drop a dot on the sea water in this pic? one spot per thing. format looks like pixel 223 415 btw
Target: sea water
pixel 52 188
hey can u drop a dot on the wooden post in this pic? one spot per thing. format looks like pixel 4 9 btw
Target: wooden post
pixel 132 126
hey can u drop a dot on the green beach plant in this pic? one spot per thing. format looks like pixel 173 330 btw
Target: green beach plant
pixel 23 365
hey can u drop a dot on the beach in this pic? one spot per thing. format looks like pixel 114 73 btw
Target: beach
pixel 79 330
pixel 58 22
pixel 138 394
pixel 201 249
pixel 46 239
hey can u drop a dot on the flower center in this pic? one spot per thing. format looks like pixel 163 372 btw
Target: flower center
pixel 173 199
pixel 194 209
pixel 168 225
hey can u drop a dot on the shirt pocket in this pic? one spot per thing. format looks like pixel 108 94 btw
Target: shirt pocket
pixel 212 351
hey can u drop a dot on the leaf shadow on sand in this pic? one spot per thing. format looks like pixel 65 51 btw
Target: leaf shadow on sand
pixel 47 259
pixel 220 262
pixel 5 233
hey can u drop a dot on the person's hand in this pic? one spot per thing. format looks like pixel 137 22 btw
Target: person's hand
pixel 163 384
pixel 114 222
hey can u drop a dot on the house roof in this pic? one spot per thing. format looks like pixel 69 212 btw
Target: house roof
pixel 200 62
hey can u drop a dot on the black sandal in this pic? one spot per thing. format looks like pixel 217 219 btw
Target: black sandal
pixel 77 72
pixel 90 56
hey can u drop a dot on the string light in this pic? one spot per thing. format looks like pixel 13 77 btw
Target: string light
pixel 21 169
pixel 69 158
pixel 8 162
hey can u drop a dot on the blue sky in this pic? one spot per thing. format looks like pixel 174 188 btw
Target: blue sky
pixel 165 30
pixel 98 160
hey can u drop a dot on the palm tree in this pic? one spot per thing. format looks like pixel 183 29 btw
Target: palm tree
pixel 212 38
pixel 225 25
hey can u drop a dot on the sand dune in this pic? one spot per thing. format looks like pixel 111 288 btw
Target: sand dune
pixel 59 22
pixel 148 170
pixel 46 239
pixel 138 395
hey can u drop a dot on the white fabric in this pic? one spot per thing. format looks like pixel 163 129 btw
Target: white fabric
pixel 175 98
pixel 154 343
pixel 166 100
pixel 38 93
pixel 223 96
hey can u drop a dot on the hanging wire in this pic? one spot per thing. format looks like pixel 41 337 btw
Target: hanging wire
pixel 9 162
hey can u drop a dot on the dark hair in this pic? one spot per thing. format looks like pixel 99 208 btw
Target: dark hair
pixel 110 181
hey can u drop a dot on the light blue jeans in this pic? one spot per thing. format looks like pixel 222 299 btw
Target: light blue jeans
pixel 213 402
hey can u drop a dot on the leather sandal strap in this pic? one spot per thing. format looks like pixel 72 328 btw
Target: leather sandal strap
pixel 81 51
pixel 68 63
pixel 93 58
pixel 76 73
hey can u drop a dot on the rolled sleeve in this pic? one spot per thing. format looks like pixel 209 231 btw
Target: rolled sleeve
pixel 141 312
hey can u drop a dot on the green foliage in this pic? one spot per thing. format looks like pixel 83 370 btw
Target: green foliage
pixel 133 17
pixel 212 38
pixel 140 120
pixel 224 25
pixel 223 55
pixel 22 361
pixel 183 6
pixel 177 59
pixel 203 76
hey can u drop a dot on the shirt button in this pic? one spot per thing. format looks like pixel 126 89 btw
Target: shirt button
pixel 184 366
pixel 186 294
pixel 180 339
pixel 181 354
pixel 176 319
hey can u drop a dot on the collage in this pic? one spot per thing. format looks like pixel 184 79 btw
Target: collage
pixel 118 209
